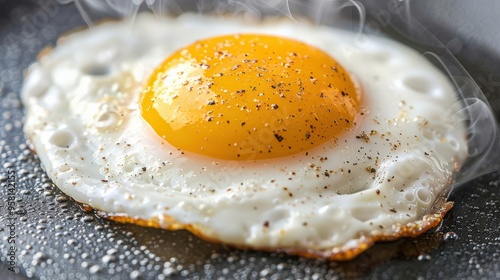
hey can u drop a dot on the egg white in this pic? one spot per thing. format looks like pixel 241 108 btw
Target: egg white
pixel 83 119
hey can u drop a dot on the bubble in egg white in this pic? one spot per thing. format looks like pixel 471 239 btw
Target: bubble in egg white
pixel 418 84
pixel 63 139
pixel 108 119
pixel 423 195
pixel 95 69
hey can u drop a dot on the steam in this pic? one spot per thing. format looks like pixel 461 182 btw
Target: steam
pixel 94 9
pixel 370 17
pixel 472 110
pixel 320 11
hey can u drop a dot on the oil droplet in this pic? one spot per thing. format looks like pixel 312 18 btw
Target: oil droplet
pixel 424 257
pixel 39 258
pixel 169 271
pixel 87 219
pixel 450 236
pixel 61 198
pixel 135 274
pixel 20 211
pixel 24 192
pixel 108 259
pixel 72 242
pixel 48 186
pixel 265 272
pixel 48 193
pixel 95 269
pixel 112 251
pixel 281 266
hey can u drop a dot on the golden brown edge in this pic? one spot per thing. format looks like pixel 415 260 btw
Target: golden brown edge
pixel 413 229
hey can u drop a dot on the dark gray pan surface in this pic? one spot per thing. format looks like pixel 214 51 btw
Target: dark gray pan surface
pixel 56 239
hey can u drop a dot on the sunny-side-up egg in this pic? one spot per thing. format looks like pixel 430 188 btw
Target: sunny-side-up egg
pixel 272 136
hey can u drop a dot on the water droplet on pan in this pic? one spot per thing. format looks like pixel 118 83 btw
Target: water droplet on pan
pixel 424 257
pixel 450 236
pixel 135 274
pixel 108 259
pixel 88 219
pixel 95 269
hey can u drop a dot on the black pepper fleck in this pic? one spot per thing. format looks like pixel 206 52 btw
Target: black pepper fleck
pixel 278 137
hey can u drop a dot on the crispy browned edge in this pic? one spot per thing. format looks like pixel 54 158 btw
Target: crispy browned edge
pixel 414 229
pixel 429 221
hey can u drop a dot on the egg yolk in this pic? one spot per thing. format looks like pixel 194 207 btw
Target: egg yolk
pixel 249 97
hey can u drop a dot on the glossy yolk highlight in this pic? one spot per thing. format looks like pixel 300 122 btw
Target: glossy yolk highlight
pixel 247 97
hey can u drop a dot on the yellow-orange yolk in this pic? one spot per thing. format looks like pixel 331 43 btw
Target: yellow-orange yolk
pixel 248 97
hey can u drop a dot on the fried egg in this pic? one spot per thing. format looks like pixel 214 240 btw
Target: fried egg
pixel 271 136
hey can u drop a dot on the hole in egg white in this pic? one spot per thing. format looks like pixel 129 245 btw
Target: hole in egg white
pixel 410 196
pixel 365 214
pixel 454 143
pixel 433 133
pixel 64 168
pixel 108 120
pixel 423 195
pixel 419 84
pixel 96 69
pixel 63 139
